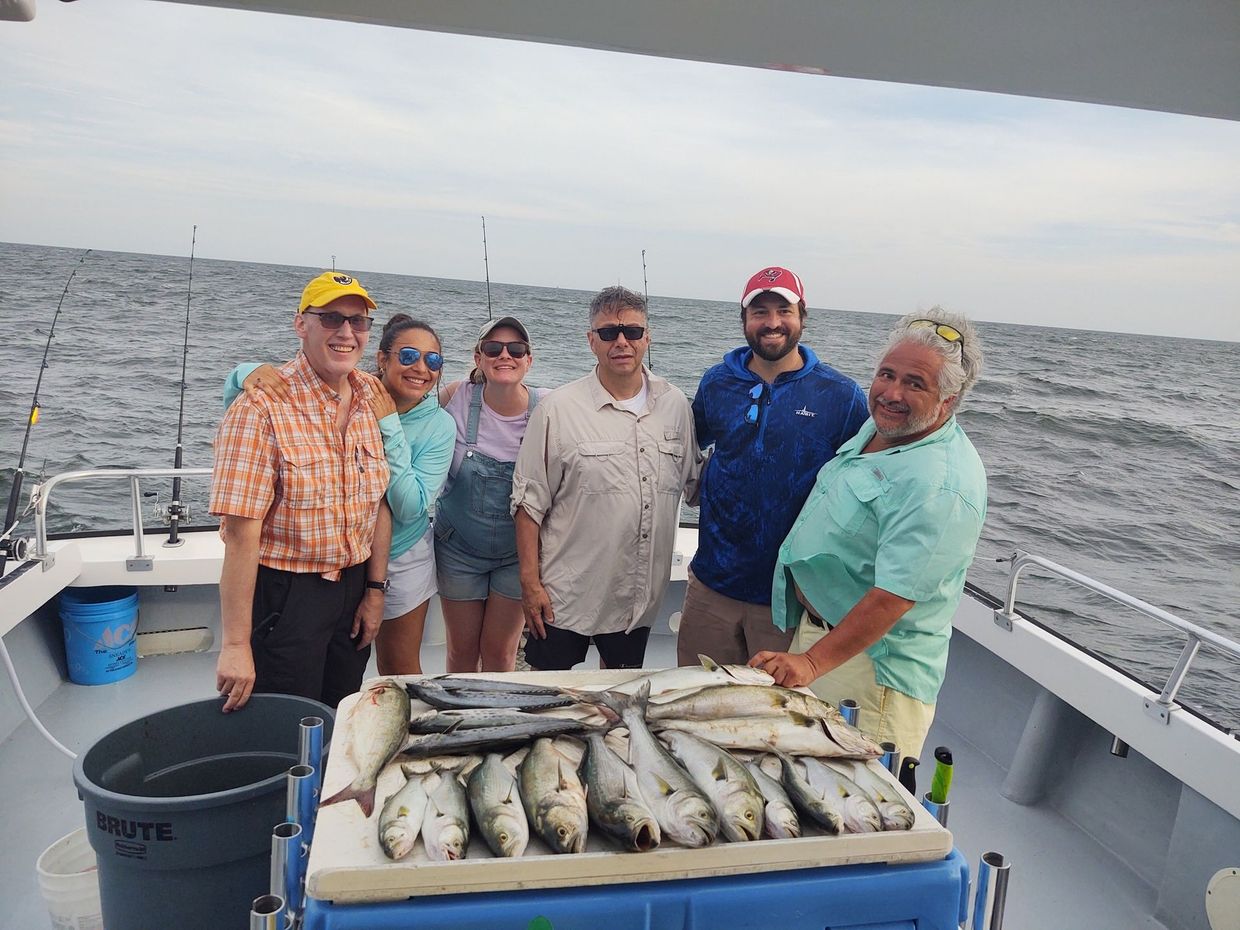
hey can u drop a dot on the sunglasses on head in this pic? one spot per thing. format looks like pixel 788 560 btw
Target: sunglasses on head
pixel 409 356
pixel 756 394
pixel 330 319
pixel 493 348
pixel 943 331
pixel 612 333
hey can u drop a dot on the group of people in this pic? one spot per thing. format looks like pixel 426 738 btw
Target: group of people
pixel 835 529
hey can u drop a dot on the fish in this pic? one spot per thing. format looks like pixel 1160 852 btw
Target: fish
pixel 614 800
pixel 462 765
pixel 728 784
pixel 716 701
pixel 378 725
pixel 495 799
pixel 826 811
pixel 445 828
pixel 695 676
pixel 451 721
pixel 859 812
pixel 485 739
pixel 436 696
pixel 453 683
pixel 400 821
pixel 780 821
pixel 684 812
pixel 892 808
pixel 789 732
pixel 554 797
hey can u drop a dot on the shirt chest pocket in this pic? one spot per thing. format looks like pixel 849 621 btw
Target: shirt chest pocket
pixel 370 471
pixel 851 498
pixel 308 477
pixel 671 465
pixel 606 467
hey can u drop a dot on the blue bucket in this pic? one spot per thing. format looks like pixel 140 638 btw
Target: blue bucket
pixel 101 628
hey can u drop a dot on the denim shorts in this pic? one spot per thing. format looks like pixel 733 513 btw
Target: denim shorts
pixel 465 576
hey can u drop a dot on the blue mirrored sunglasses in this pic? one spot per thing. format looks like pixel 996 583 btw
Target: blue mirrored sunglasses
pixel 755 394
pixel 409 356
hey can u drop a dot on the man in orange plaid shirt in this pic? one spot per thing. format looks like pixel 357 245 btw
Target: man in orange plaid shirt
pixel 299 488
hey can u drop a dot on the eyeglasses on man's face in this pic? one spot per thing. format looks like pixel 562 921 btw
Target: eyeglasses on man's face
pixel 612 332
pixel 332 319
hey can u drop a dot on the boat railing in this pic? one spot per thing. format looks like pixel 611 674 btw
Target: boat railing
pixel 42 495
pixel 1161 707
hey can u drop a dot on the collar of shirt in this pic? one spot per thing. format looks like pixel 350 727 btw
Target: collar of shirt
pixel 868 429
pixel 600 396
pixel 300 368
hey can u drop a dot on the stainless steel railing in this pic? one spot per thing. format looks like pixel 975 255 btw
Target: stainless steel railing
pixel 42 494
pixel 1161 707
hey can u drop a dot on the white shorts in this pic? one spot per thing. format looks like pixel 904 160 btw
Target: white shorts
pixel 413 578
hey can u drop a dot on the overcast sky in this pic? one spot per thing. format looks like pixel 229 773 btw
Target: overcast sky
pixel 123 124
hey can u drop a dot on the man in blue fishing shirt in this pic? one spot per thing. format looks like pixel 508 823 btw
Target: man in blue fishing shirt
pixel 873 568
pixel 774 414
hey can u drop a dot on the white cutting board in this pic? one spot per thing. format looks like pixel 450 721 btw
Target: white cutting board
pixel 347 864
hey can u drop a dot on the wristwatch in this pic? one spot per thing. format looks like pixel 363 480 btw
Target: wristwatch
pixel 380 585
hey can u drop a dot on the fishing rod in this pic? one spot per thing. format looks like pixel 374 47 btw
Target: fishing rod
pixel 176 509
pixel 486 264
pixel 646 292
pixel 9 547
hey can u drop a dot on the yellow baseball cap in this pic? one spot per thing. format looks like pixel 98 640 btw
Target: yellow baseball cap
pixel 330 285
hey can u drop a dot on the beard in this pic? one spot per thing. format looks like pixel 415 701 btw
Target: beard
pixel 909 427
pixel 767 352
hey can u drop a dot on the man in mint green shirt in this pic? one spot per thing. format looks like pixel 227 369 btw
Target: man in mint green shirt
pixel 874 566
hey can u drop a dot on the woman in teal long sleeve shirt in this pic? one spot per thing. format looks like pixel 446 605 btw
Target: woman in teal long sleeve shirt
pixel 418 438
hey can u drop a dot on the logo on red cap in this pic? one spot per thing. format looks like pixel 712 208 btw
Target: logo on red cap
pixel 777 280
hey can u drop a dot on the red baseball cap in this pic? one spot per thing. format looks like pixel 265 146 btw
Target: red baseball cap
pixel 780 281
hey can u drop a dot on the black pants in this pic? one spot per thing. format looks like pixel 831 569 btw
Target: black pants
pixel 562 649
pixel 301 639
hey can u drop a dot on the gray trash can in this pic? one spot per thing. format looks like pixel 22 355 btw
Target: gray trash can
pixel 180 806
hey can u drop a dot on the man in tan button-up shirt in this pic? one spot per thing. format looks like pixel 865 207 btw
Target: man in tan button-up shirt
pixel 596 497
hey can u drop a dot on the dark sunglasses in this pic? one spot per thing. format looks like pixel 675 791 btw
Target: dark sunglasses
pixel 493 348
pixel 330 319
pixel 409 356
pixel 755 394
pixel 612 333
pixel 943 331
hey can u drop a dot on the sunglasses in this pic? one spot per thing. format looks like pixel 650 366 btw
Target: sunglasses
pixel 409 356
pixel 330 319
pixel 943 331
pixel 493 348
pixel 612 333
pixel 755 394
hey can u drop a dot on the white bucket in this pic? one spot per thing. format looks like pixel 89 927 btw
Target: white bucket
pixel 70 883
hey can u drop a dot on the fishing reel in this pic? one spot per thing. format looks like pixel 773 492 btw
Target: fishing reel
pixel 17 548
pixel 164 512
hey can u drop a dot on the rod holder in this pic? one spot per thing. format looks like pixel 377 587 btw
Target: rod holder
pixel 1119 747
pixel 302 802
pixel 890 759
pixel 937 811
pixel 267 913
pixel 310 748
pixel 287 868
pixel 991 898
pixel 849 710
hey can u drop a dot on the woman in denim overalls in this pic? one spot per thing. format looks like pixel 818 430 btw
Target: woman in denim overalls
pixel 475 542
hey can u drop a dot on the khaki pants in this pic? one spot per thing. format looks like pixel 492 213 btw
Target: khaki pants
pixel 886 715
pixel 728 631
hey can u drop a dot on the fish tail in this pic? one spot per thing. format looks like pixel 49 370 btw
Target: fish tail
pixel 365 797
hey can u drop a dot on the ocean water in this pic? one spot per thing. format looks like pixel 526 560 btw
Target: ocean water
pixel 1117 455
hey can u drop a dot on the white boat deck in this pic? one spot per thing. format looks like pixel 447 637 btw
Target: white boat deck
pixel 1060 877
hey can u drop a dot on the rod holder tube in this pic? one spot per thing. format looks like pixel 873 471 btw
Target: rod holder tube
pixel 302 802
pixel 991 898
pixel 267 913
pixel 310 748
pixel 287 867
pixel 849 710
pixel 937 811
pixel 890 759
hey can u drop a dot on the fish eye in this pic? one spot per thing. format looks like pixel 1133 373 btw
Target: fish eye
pixel 562 832
pixel 749 815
